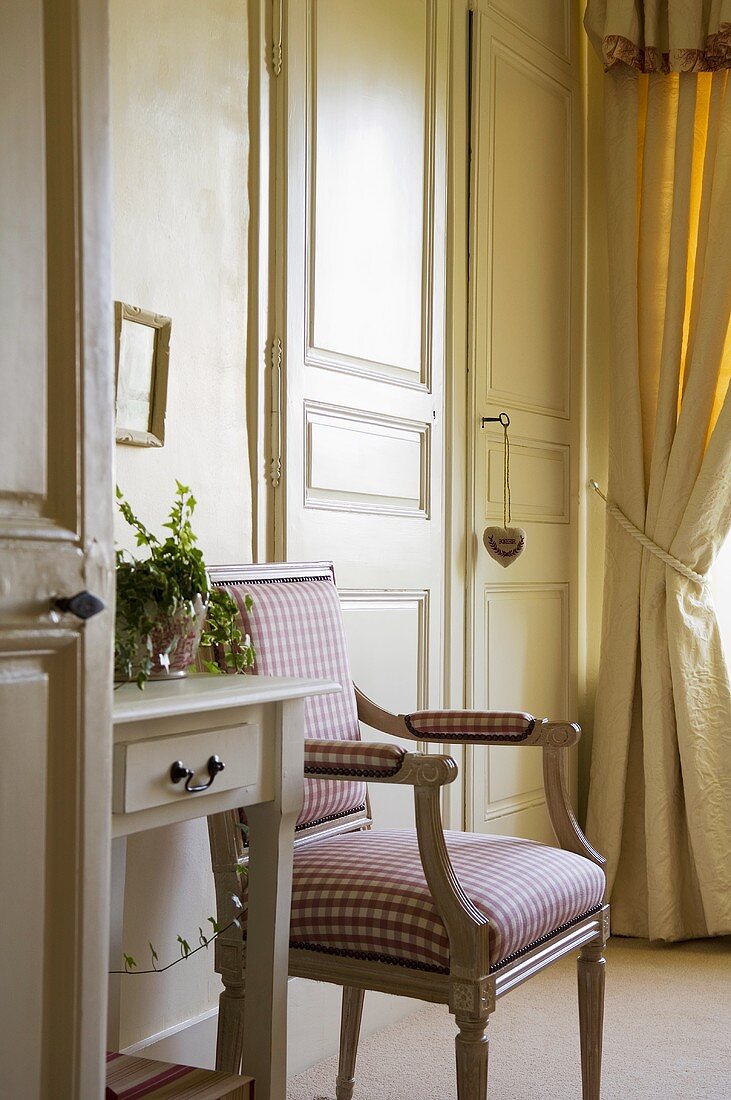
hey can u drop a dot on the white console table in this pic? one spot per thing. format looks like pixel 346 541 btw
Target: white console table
pixel 254 725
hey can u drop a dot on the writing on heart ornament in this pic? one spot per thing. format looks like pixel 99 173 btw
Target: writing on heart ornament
pixel 504 544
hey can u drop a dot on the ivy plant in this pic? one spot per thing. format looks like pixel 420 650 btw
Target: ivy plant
pixel 232 651
pixel 166 582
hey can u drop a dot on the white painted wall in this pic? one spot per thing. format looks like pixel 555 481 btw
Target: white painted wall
pixel 179 151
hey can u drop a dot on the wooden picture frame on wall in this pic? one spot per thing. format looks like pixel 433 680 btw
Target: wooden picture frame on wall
pixel 142 355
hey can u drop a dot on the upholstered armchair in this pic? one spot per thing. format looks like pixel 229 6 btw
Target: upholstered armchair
pixel 449 917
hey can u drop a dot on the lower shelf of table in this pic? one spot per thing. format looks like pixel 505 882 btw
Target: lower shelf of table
pixel 146 1079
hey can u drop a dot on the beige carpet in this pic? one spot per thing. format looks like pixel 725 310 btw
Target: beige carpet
pixel 667 1033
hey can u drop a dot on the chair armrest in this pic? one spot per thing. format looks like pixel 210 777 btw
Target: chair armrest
pixel 379 763
pixel 468 726
pixel 497 728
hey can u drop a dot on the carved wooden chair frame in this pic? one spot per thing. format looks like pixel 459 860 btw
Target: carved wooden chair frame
pixel 472 987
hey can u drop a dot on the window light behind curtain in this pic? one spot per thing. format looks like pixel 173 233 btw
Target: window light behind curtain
pixel 660 795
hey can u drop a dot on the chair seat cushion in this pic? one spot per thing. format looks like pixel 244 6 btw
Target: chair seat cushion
pixel 364 895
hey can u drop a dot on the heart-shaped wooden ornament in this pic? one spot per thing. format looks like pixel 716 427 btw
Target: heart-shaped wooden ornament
pixel 504 544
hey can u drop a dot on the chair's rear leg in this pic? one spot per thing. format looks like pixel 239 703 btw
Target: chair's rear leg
pixel 472 1048
pixel 230 1041
pixel 349 1032
pixel 591 1017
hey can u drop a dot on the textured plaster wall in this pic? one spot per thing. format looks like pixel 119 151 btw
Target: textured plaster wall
pixel 179 151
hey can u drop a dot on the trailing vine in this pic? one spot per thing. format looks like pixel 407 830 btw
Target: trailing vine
pixel 186 951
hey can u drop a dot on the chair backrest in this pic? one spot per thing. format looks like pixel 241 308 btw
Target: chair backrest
pixel 296 627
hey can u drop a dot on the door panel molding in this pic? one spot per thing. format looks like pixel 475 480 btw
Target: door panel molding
pixel 402 445
pixel 512 778
pixel 537 19
pixel 504 63
pixel 539 479
pixel 535 592
pixel 390 601
pixel 340 359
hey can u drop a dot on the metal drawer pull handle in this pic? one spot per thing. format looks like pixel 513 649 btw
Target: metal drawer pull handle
pixel 179 771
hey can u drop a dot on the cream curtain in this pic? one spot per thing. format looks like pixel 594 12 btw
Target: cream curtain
pixel 661 35
pixel 660 794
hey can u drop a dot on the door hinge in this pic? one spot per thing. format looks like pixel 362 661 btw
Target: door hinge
pixel 277 32
pixel 275 455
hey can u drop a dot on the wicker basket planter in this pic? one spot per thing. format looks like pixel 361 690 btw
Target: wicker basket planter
pixel 172 645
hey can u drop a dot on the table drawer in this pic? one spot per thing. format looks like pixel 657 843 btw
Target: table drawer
pixel 142 776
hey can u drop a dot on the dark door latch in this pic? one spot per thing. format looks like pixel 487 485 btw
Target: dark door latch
pixel 83 605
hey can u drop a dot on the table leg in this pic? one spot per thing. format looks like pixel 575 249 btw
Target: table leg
pixel 116 930
pixel 271 837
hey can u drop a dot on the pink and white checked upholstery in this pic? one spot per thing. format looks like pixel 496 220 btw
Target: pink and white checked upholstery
pixel 362 758
pixel 364 895
pixel 470 725
pixel 296 628
pixel 131 1078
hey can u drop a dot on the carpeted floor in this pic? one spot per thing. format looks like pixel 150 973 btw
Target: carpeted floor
pixel 667 1034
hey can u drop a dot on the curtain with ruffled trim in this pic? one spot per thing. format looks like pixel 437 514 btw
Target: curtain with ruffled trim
pixel 660 792
pixel 661 36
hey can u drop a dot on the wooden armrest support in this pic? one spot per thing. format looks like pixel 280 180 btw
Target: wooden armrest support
pixel 378 763
pixel 567 829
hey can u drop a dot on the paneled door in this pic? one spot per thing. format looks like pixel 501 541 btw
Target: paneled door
pixel 55 542
pixel 525 348
pixel 363 330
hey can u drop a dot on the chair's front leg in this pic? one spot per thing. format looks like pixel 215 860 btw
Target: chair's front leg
pixel 349 1034
pixel 591 967
pixel 472 1048
pixel 230 1038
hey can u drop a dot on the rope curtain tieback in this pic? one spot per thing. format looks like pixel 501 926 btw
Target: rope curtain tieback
pixel 674 563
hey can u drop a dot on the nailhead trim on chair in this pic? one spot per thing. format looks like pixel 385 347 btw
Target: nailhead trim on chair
pixel 362 773
pixel 544 939
pixel 332 817
pixel 271 580
pixel 368 956
pixel 321 821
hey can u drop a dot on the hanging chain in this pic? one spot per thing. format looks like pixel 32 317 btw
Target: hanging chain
pixel 506 478
pixel 503 419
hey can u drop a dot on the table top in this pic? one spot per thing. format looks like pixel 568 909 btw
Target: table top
pixel 202 692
